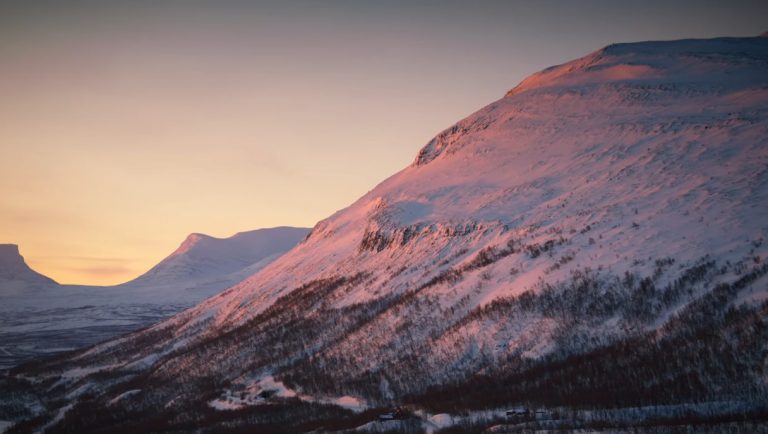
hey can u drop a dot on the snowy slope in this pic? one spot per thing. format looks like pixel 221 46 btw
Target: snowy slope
pixel 205 265
pixel 205 262
pixel 16 278
pixel 200 267
pixel 596 201
pixel 655 147
pixel 40 316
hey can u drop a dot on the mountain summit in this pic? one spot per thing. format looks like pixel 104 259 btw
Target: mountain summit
pixel 605 216
pixel 15 274
pixel 209 264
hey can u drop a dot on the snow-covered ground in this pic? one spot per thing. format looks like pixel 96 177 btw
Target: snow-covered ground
pixel 4 425
pixel 39 316
pixel 640 165
pixel 262 390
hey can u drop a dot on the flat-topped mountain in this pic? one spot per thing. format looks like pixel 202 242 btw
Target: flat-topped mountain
pixel 16 276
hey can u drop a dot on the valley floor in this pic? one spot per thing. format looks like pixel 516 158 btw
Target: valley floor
pixel 32 333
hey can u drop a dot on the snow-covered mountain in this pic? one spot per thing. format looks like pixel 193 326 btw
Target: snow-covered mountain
pixel 39 316
pixel 606 215
pixel 205 265
pixel 15 275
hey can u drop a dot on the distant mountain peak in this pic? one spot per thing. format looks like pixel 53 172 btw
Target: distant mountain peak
pixel 13 268
pixel 9 250
pixel 190 242
pixel 201 255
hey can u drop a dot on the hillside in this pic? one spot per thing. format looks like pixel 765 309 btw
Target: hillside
pixel 40 317
pixel 208 264
pixel 605 216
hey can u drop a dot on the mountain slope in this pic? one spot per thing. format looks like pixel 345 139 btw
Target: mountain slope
pixel 208 264
pixel 15 275
pixel 41 317
pixel 617 198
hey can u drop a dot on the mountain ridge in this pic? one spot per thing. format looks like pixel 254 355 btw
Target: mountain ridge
pixel 14 271
pixel 561 223
pixel 41 317
pixel 201 254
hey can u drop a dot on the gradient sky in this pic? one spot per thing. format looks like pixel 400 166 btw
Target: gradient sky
pixel 126 125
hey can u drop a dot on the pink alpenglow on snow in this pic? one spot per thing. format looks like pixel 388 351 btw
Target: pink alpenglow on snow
pixel 605 215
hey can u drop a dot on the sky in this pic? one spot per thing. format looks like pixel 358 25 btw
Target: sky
pixel 127 125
